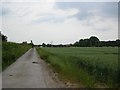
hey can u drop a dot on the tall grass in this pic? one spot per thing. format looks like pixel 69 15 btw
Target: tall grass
pixel 0 55
pixel 12 51
pixel 87 65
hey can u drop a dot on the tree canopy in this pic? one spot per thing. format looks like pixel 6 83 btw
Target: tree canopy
pixel 4 38
pixel 95 42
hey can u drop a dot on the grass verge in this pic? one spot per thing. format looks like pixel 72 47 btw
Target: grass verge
pixel 12 51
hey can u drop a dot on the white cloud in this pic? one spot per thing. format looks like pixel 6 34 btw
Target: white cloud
pixel 60 0
pixel 18 27
pixel 38 11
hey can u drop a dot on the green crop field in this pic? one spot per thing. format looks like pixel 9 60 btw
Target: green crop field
pixel 12 51
pixel 91 66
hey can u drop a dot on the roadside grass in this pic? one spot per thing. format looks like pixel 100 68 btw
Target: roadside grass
pixel 12 51
pixel 88 66
pixel 0 56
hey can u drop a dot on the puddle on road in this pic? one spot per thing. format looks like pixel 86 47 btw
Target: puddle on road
pixel 10 75
pixel 35 62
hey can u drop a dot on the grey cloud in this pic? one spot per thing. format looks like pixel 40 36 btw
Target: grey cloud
pixel 105 9
pixel 48 18
pixel 4 11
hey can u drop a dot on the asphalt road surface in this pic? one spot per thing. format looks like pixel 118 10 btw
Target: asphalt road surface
pixel 29 71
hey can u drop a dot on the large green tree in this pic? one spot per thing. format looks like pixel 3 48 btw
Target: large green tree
pixel 4 38
pixel 93 41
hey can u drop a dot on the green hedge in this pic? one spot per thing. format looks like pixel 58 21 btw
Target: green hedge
pixel 12 51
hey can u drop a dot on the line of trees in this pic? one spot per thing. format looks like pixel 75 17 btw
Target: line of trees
pixel 93 41
pixel 51 45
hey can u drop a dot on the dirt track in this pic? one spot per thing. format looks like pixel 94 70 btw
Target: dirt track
pixel 29 71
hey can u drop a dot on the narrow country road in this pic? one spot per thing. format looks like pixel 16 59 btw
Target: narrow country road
pixel 29 71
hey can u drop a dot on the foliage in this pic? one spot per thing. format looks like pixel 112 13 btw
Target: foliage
pixel 12 51
pixel 43 44
pixel 4 38
pixel 95 42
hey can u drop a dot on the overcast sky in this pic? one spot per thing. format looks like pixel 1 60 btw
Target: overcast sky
pixel 58 22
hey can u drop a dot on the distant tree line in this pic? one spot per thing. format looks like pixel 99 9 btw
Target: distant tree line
pixel 50 45
pixel 93 41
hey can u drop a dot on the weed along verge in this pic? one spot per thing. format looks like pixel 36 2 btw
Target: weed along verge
pixel 93 66
pixel 12 51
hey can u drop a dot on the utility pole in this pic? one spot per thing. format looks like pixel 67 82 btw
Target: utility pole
pixel 51 43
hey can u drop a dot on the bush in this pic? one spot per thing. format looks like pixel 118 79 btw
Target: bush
pixel 12 51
